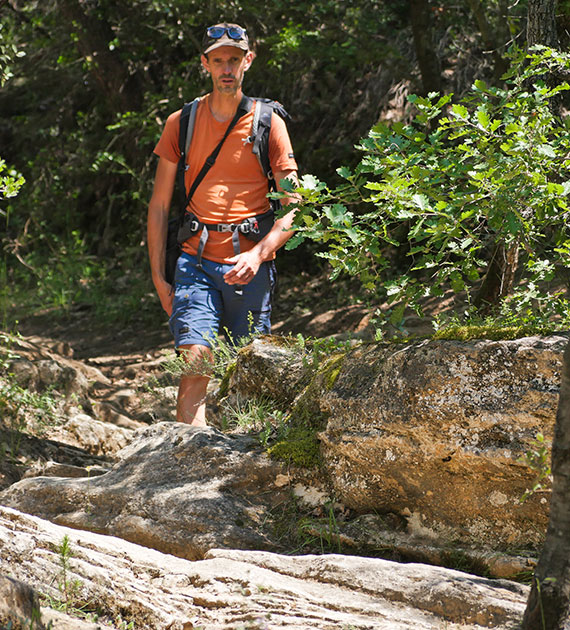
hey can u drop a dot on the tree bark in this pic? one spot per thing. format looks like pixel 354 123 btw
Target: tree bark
pixel 424 43
pixel 500 277
pixel 548 606
pixel 490 39
pixel 110 74
pixel 541 24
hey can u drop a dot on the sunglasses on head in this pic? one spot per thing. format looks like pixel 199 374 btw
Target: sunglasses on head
pixel 234 32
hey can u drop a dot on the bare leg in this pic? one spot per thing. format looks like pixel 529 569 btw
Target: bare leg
pixel 191 404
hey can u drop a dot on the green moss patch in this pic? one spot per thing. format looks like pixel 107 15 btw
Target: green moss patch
pixel 490 331
pixel 299 447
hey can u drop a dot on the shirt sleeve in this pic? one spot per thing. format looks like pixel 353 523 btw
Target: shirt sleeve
pixel 281 156
pixel 167 146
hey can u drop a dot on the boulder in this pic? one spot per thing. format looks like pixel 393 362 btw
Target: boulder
pixel 254 589
pixel 176 488
pixel 270 368
pixel 432 431
pixel 435 431
pixel 19 605
pixel 94 436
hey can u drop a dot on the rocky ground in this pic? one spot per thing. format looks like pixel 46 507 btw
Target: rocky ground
pixel 126 360
pixel 90 474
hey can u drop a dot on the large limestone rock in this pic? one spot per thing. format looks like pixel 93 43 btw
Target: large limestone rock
pixel 436 430
pixel 432 431
pixel 19 605
pixel 176 488
pixel 420 450
pixel 239 589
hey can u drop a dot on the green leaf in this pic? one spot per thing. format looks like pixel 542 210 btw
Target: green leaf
pixel 546 149
pixel 337 214
pixel 495 125
pixel 397 315
pixel 554 189
pixel 421 201
pixel 295 240
pixel 403 213
pixel 513 223
pixel 287 185
pixel 483 118
pixel 310 182
pixel 460 111
pixel 457 283
pixel 374 186
pixel 353 236
pixel 344 172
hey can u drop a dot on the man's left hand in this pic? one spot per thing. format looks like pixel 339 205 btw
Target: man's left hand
pixel 245 267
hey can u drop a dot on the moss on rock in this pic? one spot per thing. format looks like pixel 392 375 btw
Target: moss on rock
pixel 301 447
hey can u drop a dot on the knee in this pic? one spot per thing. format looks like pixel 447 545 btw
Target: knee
pixel 197 361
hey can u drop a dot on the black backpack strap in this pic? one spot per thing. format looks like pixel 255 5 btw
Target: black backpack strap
pixel 243 108
pixel 261 129
pixel 186 131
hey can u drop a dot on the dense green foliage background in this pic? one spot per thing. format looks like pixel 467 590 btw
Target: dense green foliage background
pixel 88 85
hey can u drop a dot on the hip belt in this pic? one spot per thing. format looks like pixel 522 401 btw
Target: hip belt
pixel 254 228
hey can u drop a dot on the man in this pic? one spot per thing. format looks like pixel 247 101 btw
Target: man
pixel 215 288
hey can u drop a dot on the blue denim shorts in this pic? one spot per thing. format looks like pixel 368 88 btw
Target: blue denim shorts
pixel 205 306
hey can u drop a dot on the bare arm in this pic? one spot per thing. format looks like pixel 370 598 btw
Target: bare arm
pixel 247 263
pixel 157 222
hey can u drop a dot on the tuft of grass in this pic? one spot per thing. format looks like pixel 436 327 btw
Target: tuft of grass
pixel 317 350
pixel 258 415
pixel 302 531
pixel 461 561
pixel 537 458
pixel 217 362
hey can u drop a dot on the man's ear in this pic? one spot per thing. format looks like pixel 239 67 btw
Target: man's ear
pixel 249 57
pixel 205 63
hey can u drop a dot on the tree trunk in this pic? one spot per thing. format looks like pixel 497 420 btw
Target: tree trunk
pixel 500 277
pixel 541 25
pixel 548 606
pixel 424 43
pixel 541 29
pixel 93 38
pixel 490 39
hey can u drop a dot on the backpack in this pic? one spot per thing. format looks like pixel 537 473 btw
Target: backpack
pixel 259 139
pixel 186 224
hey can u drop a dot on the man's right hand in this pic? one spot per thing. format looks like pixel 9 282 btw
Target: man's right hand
pixel 166 295
pixel 157 227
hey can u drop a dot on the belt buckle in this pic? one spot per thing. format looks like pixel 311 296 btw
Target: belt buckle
pixel 226 227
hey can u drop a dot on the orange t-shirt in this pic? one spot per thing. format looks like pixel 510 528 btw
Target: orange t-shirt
pixel 235 187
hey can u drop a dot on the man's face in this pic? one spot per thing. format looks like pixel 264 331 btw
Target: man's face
pixel 226 66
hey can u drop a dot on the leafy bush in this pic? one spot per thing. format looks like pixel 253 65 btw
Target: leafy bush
pixel 447 188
